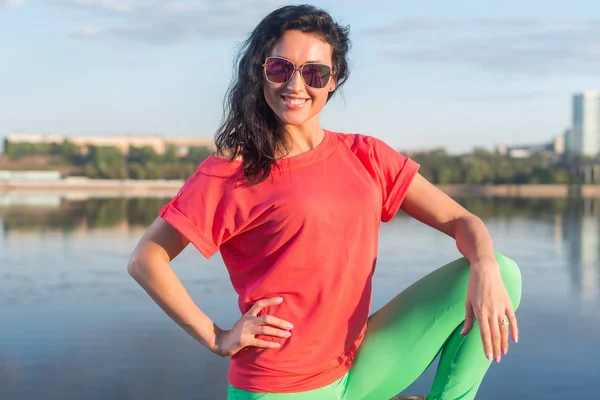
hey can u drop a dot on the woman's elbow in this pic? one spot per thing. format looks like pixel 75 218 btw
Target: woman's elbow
pixel 140 261
pixel 147 258
pixel 134 266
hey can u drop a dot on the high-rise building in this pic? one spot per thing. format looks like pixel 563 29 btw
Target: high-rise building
pixel 568 140
pixel 585 135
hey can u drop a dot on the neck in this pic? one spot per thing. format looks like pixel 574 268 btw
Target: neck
pixel 303 138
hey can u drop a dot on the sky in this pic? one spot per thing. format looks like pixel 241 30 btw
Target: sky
pixel 424 74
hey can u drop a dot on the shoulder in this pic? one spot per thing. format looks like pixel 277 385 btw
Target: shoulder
pixel 360 143
pixel 375 154
pixel 219 166
pixel 227 154
pixel 214 177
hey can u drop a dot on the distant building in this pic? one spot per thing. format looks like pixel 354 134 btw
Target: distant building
pixel 560 143
pixel 585 137
pixel 183 145
pixel 556 147
pixel 568 141
pixel 527 150
pixel 158 143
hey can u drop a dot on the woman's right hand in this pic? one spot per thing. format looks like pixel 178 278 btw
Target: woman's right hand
pixel 243 333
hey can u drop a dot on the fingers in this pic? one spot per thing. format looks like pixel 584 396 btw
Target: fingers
pixel 265 325
pixel 264 344
pixel 504 338
pixel 512 320
pixel 262 303
pixel 274 321
pixel 270 331
pixel 251 330
pixel 496 338
pixel 486 338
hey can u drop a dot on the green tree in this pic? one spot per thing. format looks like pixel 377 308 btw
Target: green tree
pixel 136 171
pixel 143 155
pixel 198 154
pixel 109 161
pixel 69 149
pixel 170 155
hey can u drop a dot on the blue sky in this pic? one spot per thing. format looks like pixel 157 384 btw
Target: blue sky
pixel 455 74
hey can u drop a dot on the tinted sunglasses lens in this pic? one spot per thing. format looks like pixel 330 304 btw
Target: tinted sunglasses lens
pixel 278 71
pixel 316 75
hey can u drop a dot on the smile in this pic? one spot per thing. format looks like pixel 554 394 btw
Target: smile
pixel 293 102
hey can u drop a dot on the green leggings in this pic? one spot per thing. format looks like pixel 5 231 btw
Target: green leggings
pixel 405 336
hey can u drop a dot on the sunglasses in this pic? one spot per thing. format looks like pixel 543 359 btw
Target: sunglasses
pixel 281 70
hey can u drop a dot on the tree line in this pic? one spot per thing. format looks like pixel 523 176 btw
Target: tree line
pixel 108 162
pixel 71 216
pixel 478 167
pixel 482 167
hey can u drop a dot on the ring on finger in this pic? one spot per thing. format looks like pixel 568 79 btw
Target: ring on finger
pixel 504 321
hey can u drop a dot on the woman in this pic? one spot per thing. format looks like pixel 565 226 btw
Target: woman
pixel 295 211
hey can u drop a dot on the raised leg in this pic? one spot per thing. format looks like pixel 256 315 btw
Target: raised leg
pixel 406 335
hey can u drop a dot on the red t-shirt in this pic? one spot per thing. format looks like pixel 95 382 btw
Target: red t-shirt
pixel 309 234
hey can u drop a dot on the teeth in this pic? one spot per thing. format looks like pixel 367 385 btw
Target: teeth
pixel 295 101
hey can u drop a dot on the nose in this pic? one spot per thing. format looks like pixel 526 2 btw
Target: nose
pixel 296 83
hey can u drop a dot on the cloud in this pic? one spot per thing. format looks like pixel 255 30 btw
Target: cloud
pixel 531 46
pixel 167 22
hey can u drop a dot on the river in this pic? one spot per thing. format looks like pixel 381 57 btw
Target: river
pixel 76 326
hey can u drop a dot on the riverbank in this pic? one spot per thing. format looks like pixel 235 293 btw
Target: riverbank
pixel 143 188
pixel 523 191
pixel 79 187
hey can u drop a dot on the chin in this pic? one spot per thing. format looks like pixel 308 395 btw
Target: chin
pixel 293 120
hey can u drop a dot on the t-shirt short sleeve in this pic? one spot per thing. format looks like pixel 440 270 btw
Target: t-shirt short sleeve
pixel 395 172
pixel 200 212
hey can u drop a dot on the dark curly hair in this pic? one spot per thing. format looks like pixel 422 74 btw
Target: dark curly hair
pixel 250 128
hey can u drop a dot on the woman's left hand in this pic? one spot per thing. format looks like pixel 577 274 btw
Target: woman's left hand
pixel 488 303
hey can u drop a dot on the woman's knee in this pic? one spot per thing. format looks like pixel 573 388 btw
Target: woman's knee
pixel 511 276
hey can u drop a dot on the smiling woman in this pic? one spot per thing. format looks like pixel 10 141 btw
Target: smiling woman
pixel 295 211
pixel 269 101
pixel 307 91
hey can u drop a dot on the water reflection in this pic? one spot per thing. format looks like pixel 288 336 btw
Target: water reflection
pixel 80 324
pixel 581 233
pixel 575 223
pixel 576 232
pixel 55 214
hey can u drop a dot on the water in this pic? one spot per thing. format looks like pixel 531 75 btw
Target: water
pixel 74 325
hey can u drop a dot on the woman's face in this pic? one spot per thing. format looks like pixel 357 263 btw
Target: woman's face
pixel 293 102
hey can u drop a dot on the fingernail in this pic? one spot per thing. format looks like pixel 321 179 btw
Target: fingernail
pixel 516 339
pixel 463 331
pixel 490 356
pixel 279 299
pixel 498 359
pixel 504 351
pixel 288 334
pixel 277 345
pixel 290 326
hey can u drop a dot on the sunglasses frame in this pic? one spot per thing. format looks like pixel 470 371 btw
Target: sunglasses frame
pixel 297 68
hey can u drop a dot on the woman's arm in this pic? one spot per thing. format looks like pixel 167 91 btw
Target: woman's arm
pixel 428 204
pixel 487 299
pixel 149 266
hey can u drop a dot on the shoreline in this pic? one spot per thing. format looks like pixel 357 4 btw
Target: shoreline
pixel 523 190
pixel 76 187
